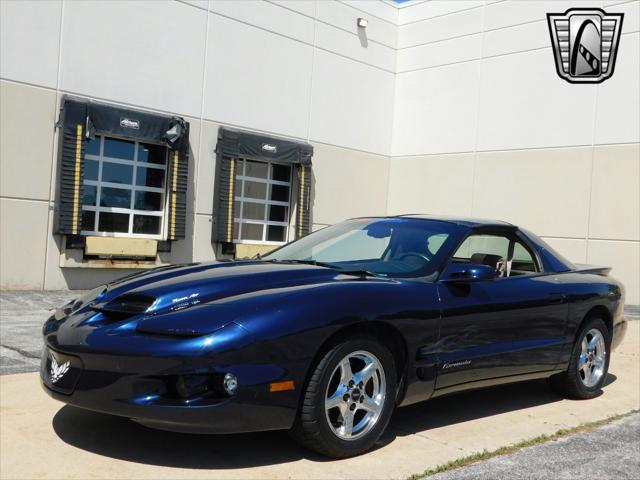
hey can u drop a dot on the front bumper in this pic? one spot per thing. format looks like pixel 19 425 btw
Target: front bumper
pixel 140 389
pixel 619 331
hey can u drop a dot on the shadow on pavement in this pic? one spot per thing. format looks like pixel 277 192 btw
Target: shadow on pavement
pixel 120 438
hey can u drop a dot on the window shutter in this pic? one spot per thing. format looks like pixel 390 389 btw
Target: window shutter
pixel 303 221
pixel 226 175
pixel 71 168
pixel 177 179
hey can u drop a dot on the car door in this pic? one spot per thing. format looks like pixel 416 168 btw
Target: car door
pixel 509 325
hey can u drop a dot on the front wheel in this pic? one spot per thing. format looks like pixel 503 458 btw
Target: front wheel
pixel 589 362
pixel 349 399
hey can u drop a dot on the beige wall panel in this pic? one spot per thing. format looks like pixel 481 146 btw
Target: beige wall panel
pixel 347 183
pixel 26 140
pixel 203 250
pixel 573 249
pixel 436 184
pixel 544 190
pixel 206 168
pixel 624 258
pixel 23 240
pixel 615 194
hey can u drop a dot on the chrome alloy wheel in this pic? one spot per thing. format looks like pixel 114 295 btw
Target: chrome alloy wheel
pixel 592 358
pixel 355 395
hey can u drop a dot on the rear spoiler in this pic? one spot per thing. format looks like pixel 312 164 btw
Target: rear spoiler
pixel 594 269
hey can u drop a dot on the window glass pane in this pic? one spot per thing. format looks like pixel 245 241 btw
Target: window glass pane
pixel 90 170
pixel 255 190
pixel 280 193
pixel 152 153
pixel 93 147
pixel 90 193
pixel 236 228
pixel 275 233
pixel 115 197
pixel 278 213
pixel 483 245
pixel 88 220
pixel 252 231
pixel 236 209
pixel 150 177
pixel 113 222
pixel 281 173
pixel 118 148
pixel 117 173
pixel 146 224
pixel 256 169
pixel 253 211
pixel 148 201
pixel 237 188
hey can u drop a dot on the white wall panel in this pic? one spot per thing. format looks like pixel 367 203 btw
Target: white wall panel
pixel 446 52
pixel 624 258
pixel 380 9
pixel 546 191
pixel 515 12
pixel 524 104
pixel 343 43
pixel 518 38
pixel 139 52
pixel 29 41
pixel 345 17
pixel 268 16
pixel 352 104
pixel 435 110
pixel 434 8
pixel 618 108
pixel 256 79
pixel 441 28
pixel 306 7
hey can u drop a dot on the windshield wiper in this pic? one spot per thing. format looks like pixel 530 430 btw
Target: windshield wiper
pixel 308 262
pixel 315 263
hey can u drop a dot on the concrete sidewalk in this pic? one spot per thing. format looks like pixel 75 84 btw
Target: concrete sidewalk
pixel 42 438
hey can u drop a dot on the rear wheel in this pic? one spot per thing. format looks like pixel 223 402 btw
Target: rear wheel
pixel 349 399
pixel 589 362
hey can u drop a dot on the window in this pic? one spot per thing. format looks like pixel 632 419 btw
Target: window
pixel 124 188
pixel 493 250
pixel 262 202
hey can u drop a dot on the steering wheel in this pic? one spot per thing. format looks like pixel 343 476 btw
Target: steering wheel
pixel 421 256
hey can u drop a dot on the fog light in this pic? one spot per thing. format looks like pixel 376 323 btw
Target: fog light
pixel 230 383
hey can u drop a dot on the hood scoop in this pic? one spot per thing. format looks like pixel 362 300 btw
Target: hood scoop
pixel 125 306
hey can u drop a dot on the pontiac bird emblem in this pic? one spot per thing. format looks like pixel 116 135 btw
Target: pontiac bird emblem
pixel 585 43
pixel 57 371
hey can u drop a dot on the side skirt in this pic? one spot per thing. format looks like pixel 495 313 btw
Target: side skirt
pixel 490 382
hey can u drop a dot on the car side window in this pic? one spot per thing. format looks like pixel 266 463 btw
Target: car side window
pixel 493 250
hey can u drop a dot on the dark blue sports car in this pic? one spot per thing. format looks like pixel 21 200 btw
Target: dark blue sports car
pixel 328 334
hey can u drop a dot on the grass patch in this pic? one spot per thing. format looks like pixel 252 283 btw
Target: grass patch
pixel 486 454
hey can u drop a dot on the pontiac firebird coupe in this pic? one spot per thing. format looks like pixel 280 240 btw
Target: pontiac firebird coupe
pixel 328 334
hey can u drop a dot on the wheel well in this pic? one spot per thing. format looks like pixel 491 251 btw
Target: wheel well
pixel 385 333
pixel 599 311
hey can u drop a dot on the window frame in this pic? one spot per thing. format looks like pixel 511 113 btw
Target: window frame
pixel 238 215
pixel 132 187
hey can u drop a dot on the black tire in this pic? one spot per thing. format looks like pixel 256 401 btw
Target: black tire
pixel 570 382
pixel 312 428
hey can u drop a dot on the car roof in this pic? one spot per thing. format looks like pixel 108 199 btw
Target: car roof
pixel 464 221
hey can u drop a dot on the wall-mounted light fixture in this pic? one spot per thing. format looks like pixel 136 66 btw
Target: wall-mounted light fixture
pixel 362 22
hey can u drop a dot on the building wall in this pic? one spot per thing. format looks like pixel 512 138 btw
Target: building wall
pixel 484 127
pixel 298 69
pixel 437 107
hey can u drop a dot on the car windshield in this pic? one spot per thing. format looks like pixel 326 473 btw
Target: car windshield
pixel 391 247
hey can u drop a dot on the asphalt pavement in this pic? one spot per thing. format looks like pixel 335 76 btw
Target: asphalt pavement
pixel 609 452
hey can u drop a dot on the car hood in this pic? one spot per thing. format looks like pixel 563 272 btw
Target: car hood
pixel 171 300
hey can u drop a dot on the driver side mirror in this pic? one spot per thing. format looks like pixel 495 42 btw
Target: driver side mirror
pixel 467 273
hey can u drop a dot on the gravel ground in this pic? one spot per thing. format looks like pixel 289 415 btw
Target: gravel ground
pixel 609 452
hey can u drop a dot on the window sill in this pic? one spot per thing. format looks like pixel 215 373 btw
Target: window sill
pixel 74 259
